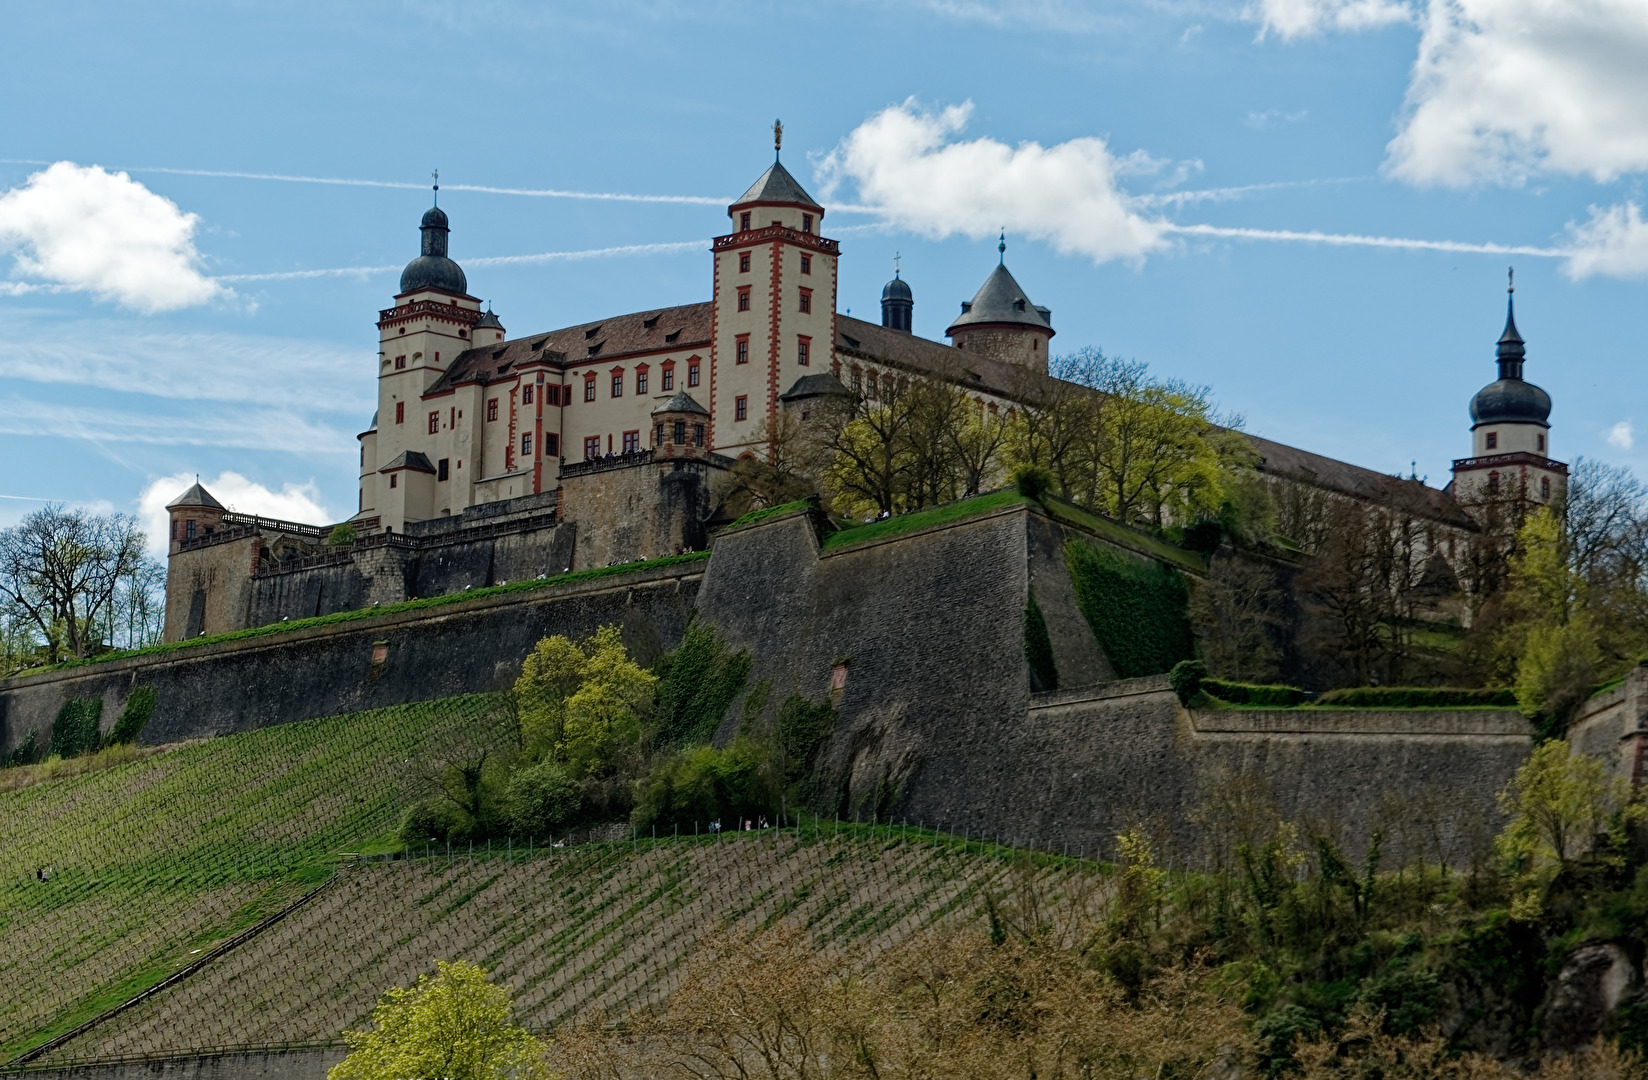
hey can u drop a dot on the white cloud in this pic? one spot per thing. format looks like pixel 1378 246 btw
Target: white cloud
pixel 90 230
pixel 1505 89
pixel 1613 242
pixel 293 502
pixel 906 163
pixel 1290 19
pixel 1622 435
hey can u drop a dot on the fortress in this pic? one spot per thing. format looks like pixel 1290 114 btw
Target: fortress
pixel 494 458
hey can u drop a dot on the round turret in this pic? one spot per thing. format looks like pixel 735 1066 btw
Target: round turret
pixel 897 304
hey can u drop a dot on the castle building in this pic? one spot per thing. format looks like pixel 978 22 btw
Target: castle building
pixel 601 441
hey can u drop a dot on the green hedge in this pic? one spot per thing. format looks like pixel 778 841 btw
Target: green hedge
pixel 1136 607
pixel 1269 696
pixel 75 731
pixel 1418 697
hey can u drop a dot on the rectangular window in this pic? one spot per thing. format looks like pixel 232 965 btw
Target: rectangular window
pixel 552 445
pixel 806 300
pixel 741 407
pixel 526 395
pixel 640 382
pixel 441 469
pixel 632 442
pixel 400 363
pixel 1493 440
pixel 526 444
pixel 692 374
pixel 592 448
pixel 698 434
pixel 394 481
pixel 589 388
pixel 669 378
pixel 806 264
pixel 492 409
pixel 1541 443
pixel 803 351
pixel 806 223
pixel 743 299
pixel 400 412
pixel 618 384
pixel 744 221
pixel 680 433
pixel 434 423
pixel 743 262
pixel 743 351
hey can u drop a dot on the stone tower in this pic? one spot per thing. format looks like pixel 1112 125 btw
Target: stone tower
pixel 1510 431
pixel 1001 323
pixel 898 304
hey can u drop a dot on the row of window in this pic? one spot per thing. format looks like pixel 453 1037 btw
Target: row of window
pixel 803 301
pixel 744 265
pixel 744 222
pixel 1492 441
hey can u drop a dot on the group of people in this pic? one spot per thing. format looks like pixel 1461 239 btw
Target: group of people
pixel 759 823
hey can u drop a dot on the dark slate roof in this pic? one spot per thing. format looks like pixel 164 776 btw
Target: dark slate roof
pixel 1510 401
pixel 897 289
pixel 195 496
pixel 434 272
pixel 684 327
pixel 434 218
pixel 1001 300
pixel 811 386
pixel 488 319
pixel 681 402
pixel 1353 480
pixel 410 459
pixel 776 186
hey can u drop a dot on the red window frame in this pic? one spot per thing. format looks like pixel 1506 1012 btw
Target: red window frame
pixel 741 350
pixel 400 412
pixel 803 350
pixel 589 386
pixel 491 409
pixel 632 442
pixel 743 262
pixel 526 444
pixel 692 374
pixel 552 445
pixel 617 382
pixel 744 299
pixel 1493 440
pixel 435 422
pixel 669 375
pixel 400 363
pixel 806 223
pixel 806 301
pixel 744 222
pixel 641 380
pixel 806 264
pixel 592 447
pixel 741 407
pixel 526 395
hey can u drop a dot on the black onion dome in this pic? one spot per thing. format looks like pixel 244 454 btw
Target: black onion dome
pixel 432 269
pixel 897 289
pixel 1510 401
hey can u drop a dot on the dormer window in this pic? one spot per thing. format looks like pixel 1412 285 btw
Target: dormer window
pixel 648 324
pixel 669 339
pixel 1018 305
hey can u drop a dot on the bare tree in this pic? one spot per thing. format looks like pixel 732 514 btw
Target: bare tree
pixel 66 569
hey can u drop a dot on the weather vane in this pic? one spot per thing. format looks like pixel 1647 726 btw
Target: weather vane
pixel 1510 280
pixel 898 262
pixel 1001 248
pixel 778 137
pixel 436 175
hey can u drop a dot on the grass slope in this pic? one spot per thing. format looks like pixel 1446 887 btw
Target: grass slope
pixel 148 863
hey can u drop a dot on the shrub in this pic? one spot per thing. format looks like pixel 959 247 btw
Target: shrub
pixel 803 729
pixel 75 731
pixel 26 753
pixel 1038 649
pixel 1136 607
pixel 1271 696
pixel 139 707
pixel 1186 679
pixel 430 821
pixel 704 784
pixel 540 799
pixel 1033 481
pixel 1278 1034
pixel 1417 697
pixel 1409 1000
pixel 341 535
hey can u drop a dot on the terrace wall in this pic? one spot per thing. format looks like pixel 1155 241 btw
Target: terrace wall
pixel 280 1064
pixel 456 648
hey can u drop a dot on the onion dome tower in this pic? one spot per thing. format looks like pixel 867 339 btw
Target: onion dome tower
pixel 432 269
pixel 897 302
pixel 1001 323
pixel 1510 429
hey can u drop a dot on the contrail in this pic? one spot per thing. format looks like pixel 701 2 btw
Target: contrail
pixel 1226 194
pixel 490 260
pixel 1354 240
pixel 24 498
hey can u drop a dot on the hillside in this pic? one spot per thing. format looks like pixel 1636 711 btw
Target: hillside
pixel 112 880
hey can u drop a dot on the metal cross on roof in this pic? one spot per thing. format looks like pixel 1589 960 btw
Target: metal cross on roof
pixel 436 175
pixel 898 261
pixel 778 137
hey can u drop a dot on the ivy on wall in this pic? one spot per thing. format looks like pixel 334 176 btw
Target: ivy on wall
pixel 1137 608
pixel 75 731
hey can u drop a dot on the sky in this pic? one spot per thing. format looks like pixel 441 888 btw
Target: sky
pixel 1308 206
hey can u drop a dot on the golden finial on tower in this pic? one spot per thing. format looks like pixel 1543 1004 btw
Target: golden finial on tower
pixel 778 137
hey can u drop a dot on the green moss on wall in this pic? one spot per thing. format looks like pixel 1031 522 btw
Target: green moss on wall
pixel 1137 608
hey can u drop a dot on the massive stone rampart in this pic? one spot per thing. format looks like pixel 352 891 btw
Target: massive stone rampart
pixel 455 648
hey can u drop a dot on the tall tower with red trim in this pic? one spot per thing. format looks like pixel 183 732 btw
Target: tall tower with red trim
pixel 773 309
pixel 432 321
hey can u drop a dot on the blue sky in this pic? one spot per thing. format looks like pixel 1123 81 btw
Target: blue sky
pixel 1256 196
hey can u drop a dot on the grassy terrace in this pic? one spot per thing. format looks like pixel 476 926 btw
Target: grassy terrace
pixel 150 862
pixel 1133 539
pixel 924 519
pixel 425 604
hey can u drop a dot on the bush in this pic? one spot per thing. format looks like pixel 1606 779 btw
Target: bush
pixel 540 799
pixel 697 682
pixel 1409 999
pixel 803 728
pixel 1137 608
pixel 1038 649
pixel 1278 1034
pixel 1186 679
pixel 1417 697
pixel 26 753
pixel 430 821
pixel 75 731
pixel 704 784
pixel 1269 696
pixel 139 707
pixel 341 535
pixel 1032 481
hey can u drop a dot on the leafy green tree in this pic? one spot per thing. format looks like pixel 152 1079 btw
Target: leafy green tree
pixel 452 1026
pixel 1560 804
pixel 605 716
pixel 1548 629
pixel 550 674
